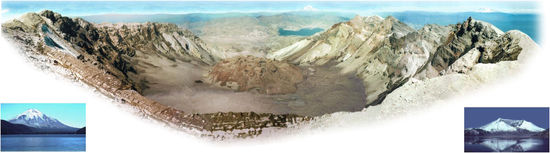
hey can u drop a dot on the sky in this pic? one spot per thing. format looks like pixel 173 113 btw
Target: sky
pixel 477 117
pixel 450 11
pixel 11 9
pixel 72 114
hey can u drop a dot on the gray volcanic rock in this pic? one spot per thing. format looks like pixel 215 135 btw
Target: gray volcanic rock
pixel 476 36
pixel 508 47
pixel 246 73
pixel 502 47
pixel 386 53
pixel 463 37
pixel 123 50
pixel 465 63
pixel 383 52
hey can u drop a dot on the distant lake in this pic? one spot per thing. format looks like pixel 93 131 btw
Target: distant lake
pixel 525 22
pixel 44 142
pixel 301 32
pixel 505 145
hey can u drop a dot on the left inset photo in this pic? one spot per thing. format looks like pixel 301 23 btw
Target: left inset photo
pixel 43 126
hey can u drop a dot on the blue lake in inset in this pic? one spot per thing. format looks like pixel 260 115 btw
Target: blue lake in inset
pixel 44 142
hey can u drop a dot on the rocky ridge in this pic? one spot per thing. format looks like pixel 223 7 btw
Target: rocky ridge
pixel 111 47
pixel 386 53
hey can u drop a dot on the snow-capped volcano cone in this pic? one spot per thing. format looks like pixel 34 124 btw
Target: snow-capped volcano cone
pixel 31 114
pixel 35 118
pixel 508 125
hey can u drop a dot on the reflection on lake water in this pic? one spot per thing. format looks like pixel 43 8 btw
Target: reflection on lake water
pixel 44 142
pixel 475 144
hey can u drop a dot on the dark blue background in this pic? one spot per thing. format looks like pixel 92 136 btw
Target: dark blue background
pixel 479 116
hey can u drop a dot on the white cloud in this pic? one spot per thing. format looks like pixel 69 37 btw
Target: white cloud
pixel 310 8
pixel 2 11
pixel 485 10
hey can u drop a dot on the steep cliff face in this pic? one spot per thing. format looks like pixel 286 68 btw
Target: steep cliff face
pixel 123 50
pixel 386 53
pixel 463 37
pixel 474 42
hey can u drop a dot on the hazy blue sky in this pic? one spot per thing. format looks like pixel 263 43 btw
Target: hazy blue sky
pixel 72 114
pixel 476 117
pixel 12 9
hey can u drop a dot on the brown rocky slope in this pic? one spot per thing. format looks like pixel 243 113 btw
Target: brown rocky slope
pixel 254 73
pixel 386 53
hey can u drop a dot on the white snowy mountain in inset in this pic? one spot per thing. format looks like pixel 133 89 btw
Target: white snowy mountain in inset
pixel 37 119
pixel 508 125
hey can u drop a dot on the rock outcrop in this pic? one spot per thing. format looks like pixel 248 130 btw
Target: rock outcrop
pixel 463 38
pixel 263 75
pixel 475 42
pixel 386 53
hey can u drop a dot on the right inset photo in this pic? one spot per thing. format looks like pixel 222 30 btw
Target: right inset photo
pixel 506 129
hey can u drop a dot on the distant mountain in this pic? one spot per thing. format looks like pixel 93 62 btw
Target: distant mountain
pixel 33 121
pixel 9 128
pixel 507 127
pixel 35 118
pixel 543 134
pixel 81 131
pixel 476 132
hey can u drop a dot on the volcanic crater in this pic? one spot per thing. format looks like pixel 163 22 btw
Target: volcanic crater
pixel 170 74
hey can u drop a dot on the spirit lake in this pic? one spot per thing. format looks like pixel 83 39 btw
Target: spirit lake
pixel 44 142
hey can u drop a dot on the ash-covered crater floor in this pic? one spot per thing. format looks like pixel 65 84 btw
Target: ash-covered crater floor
pixel 307 91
